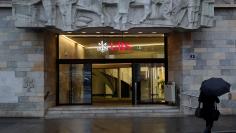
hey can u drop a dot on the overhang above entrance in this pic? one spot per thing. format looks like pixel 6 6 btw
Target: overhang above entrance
pixel 73 15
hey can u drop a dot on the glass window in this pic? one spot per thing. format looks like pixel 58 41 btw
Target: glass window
pixel 75 47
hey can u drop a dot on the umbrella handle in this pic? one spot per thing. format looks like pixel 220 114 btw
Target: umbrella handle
pixel 216 108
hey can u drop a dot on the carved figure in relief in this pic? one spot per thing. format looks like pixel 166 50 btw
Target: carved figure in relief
pixel 65 8
pixel 122 12
pixel 155 9
pixel 161 9
pixel 207 13
pixel 193 13
pixel 94 6
pixel 179 11
pixel 49 7
pixel 147 8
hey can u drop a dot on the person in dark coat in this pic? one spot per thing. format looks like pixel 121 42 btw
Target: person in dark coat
pixel 209 105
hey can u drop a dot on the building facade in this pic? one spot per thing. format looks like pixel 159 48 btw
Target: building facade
pixel 47 56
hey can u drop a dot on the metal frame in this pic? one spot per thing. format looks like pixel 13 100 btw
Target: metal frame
pixel 107 61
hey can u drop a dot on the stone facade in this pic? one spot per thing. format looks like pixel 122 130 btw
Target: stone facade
pixel 205 53
pixel 21 69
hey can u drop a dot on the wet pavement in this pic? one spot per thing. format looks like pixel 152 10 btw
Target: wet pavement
pixel 226 124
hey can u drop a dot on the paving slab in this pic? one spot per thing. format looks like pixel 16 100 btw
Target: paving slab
pixel 187 124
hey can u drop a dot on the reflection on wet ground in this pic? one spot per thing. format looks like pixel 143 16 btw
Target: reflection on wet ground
pixel 115 125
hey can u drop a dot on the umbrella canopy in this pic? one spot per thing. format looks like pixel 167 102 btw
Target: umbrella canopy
pixel 215 87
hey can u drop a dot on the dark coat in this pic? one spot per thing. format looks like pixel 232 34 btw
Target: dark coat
pixel 209 104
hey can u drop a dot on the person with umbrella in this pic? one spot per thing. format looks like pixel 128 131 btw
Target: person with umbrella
pixel 209 92
pixel 207 109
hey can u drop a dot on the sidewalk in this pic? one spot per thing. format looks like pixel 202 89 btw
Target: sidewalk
pixel 226 124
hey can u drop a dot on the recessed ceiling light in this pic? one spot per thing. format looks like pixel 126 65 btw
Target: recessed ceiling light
pixel 140 32
pixel 98 32
pixel 83 32
pixel 126 32
pixel 154 32
pixel 69 32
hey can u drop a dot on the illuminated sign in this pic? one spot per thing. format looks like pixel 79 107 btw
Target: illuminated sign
pixel 102 47
pixel 113 46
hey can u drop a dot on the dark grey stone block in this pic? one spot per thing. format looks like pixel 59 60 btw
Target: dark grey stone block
pixel 23 99
pixel 201 62
pixel 198 67
pixel 197 42
pixel 230 56
pixel 225 62
pixel 11 64
pixel 230 42
pixel 20 74
pixel 18 57
pixel 225 72
pixel 8 106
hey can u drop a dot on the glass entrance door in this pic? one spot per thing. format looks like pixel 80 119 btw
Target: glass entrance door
pixel 75 84
pixel 109 83
pixel 150 80
pixel 112 84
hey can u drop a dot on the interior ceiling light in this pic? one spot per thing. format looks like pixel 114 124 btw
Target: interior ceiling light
pixel 72 41
pixel 69 32
pixel 117 35
pixel 134 45
pixel 112 32
pixel 154 32
pixel 83 32
pixel 126 32
pixel 98 32
pixel 140 32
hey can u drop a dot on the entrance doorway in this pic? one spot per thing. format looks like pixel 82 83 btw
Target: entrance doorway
pixel 149 79
pixel 112 84
pixel 111 70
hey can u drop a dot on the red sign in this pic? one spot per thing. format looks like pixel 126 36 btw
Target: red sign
pixel 119 46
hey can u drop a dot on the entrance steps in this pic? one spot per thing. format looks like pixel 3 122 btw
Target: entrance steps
pixel 124 111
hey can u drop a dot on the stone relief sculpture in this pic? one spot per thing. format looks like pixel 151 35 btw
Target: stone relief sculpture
pixel 207 12
pixel 122 13
pixel 70 15
pixel 163 10
pixel 147 8
pixel 193 13
pixel 49 7
pixel 225 1
pixel 92 6
pixel 180 10
pixel 65 8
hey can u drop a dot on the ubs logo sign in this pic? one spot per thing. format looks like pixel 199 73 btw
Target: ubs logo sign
pixel 113 46
pixel 102 47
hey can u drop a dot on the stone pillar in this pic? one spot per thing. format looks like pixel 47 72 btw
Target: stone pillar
pixel 50 44
pixel 175 70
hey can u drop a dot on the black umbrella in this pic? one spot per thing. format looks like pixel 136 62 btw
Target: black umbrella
pixel 215 87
